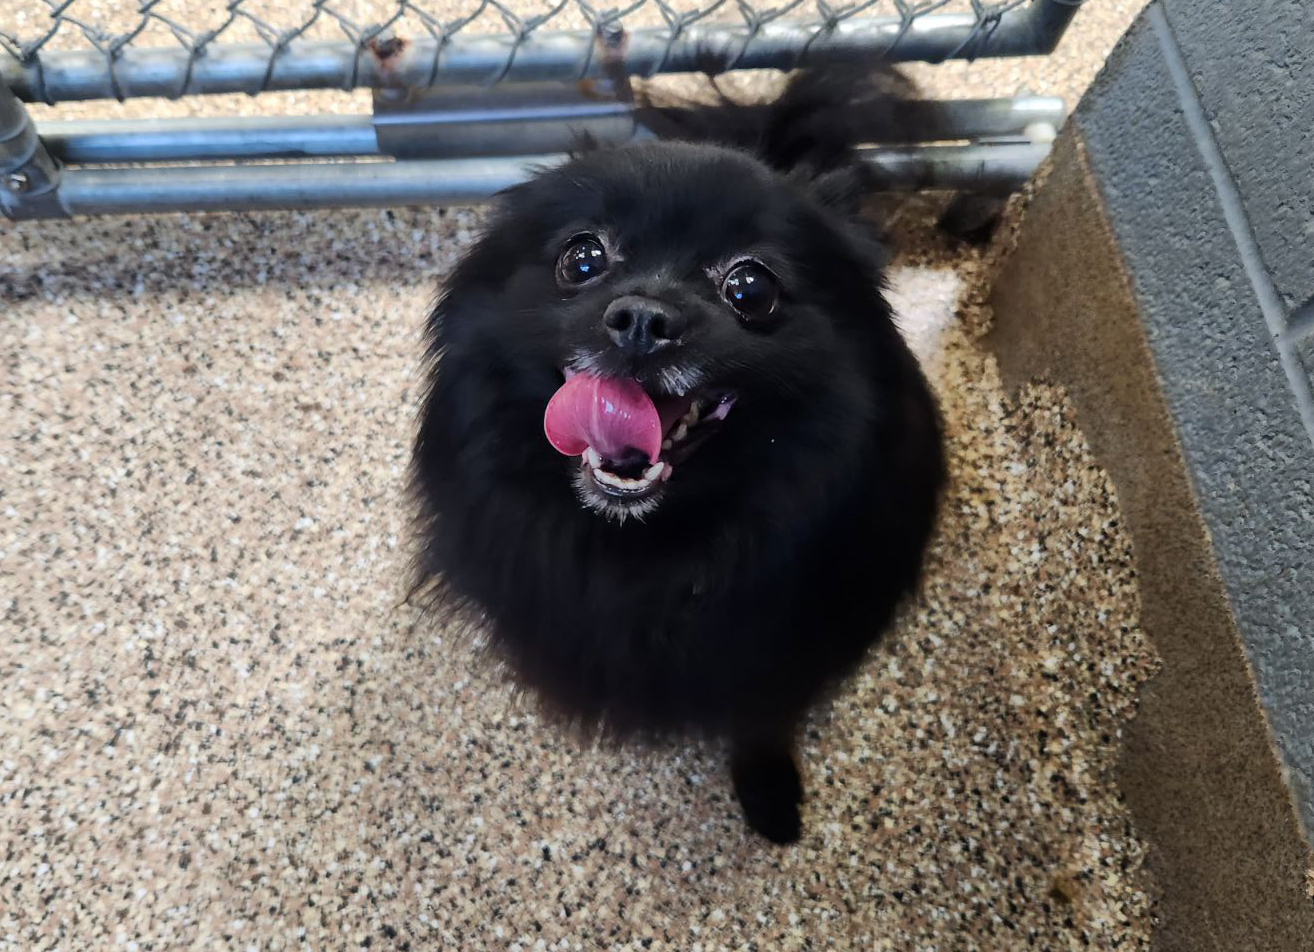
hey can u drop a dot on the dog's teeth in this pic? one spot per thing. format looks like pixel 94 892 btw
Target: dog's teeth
pixel 690 418
pixel 680 433
pixel 667 469
pixel 592 458
pixel 654 471
pixel 622 482
pixel 722 409
pixel 667 444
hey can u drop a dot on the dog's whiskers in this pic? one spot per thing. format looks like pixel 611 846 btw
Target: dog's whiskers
pixel 583 362
pixel 680 380
pixel 675 381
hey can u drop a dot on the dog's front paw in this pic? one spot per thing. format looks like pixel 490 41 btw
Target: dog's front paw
pixel 769 789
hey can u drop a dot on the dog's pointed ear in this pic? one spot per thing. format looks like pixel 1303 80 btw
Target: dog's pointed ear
pixel 842 189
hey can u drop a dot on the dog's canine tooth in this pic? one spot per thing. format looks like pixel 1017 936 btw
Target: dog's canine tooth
pixel 680 433
pixel 592 458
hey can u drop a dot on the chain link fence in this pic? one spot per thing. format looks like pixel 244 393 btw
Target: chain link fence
pixel 564 62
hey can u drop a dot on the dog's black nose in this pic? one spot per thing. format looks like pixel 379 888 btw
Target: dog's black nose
pixel 640 325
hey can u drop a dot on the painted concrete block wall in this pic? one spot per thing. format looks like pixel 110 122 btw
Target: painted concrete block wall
pixel 1252 65
pixel 1200 133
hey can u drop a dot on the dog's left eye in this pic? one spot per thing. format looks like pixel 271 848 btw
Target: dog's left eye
pixel 751 290
pixel 583 260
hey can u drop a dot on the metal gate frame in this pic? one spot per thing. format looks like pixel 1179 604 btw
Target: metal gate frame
pixel 458 117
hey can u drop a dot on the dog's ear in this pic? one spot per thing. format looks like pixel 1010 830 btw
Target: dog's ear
pixel 841 189
pixel 586 142
pixel 814 126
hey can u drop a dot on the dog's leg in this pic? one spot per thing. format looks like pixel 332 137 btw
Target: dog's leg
pixel 767 784
pixel 972 218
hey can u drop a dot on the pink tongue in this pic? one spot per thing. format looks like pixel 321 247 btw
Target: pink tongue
pixel 611 415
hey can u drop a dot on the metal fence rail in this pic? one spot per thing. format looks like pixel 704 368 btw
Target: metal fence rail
pixel 478 77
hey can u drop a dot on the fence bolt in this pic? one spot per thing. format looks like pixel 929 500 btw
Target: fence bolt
pixel 17 182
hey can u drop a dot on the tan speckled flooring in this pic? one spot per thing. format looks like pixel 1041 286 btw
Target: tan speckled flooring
pixel 221 728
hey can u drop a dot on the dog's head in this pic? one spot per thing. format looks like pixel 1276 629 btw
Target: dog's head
pixel 679 321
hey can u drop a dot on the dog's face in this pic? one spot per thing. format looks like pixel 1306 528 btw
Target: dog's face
pixel 683 323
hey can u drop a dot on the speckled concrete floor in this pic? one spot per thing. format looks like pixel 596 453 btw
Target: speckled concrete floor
pixel 220 727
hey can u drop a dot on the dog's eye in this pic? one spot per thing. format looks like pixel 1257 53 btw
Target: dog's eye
pixel 751 290
pixel 583 260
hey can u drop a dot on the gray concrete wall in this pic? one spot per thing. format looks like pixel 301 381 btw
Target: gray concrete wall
pixel 1162 274
pixel 1251 63
pixel 1198 134
pixel 1197 766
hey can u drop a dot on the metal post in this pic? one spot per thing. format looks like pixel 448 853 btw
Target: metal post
pixel 29 178
pixel 1047 22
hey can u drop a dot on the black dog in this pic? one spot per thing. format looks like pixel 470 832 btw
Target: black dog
pixel 741 460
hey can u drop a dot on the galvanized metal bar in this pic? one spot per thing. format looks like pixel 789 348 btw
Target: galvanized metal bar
pixel 448 126
pixel 106 191
pixel 510 102
pixel 293 186
pixel 995 169
pixel 511 119
pixel 989 118
pixel 184 140
pixel 538 56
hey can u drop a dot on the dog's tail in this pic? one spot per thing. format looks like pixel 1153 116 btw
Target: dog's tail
pixel 813 129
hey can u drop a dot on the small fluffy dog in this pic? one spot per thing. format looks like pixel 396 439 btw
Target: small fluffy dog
pixel 674 448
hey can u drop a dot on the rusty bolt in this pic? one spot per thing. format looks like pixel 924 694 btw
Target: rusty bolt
pixel 387 48
pixel 612 36
pixel 18 182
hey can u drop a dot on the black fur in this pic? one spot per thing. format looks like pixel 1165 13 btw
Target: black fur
pixel 780 551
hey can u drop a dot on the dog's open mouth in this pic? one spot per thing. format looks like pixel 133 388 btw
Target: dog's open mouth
pixel 629 442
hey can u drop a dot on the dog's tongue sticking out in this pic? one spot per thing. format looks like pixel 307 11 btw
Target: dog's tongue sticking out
pixel 612 415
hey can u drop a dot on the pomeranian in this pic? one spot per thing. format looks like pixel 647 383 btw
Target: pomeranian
pixel 673 448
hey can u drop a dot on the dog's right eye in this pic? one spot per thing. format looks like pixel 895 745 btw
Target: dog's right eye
pixel 583 260
pixel 751 290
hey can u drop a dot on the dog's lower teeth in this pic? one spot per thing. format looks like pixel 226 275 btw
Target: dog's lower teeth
pixel 660 470
pixel 621 482
pixel 657 471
